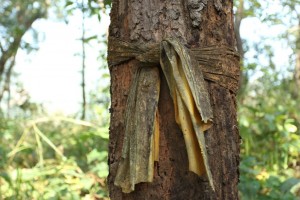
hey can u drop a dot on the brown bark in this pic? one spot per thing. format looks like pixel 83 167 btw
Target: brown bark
pixel 209 24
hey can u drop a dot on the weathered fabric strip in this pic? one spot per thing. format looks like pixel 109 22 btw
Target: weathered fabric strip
pixel 185 71
pixel 140 144
pixel 191 102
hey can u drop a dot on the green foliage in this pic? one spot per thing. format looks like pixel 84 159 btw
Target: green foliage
pixel 17 17
pixel 260 184
pixel 269 126
pixel 269 112
pixel 89 7
pixel 53 158
pixel 270 150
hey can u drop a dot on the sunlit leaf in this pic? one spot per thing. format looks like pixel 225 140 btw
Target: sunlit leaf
pixel 290 128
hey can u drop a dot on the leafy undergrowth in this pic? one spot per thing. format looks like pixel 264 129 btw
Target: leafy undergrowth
pixel 53 158
pixel 269 126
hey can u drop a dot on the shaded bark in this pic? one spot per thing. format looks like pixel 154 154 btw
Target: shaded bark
pixel 195 24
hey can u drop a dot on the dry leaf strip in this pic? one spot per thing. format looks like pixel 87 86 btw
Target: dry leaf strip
pixel 185 71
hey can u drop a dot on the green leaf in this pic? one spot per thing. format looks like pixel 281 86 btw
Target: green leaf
pixel 288 184
pixel 69 3
pixel 6 177
pixel 101 169
pixel 103 132
pixel 290 128
pixel 95 155
pixel 87 183
pixel 86 40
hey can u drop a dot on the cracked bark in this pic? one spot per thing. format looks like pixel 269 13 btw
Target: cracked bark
pixel 147 21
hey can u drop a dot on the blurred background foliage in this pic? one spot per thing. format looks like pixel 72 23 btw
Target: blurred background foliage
pixel 58 156
pixel 268 102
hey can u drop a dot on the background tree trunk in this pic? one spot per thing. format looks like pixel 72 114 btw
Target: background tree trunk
pixel 196 23
pixel 239 16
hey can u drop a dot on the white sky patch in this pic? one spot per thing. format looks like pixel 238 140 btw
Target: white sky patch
pixel 254 31
pixel 52 74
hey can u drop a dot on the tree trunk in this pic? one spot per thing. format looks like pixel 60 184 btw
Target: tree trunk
pixel 83 66
pixel 195 23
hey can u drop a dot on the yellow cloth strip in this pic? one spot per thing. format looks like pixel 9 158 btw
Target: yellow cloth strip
pixel 191 102
pixel 192 112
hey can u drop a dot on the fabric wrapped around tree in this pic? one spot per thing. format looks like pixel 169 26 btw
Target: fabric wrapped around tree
pixel 193 112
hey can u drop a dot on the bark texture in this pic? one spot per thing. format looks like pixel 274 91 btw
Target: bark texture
pixel 195 23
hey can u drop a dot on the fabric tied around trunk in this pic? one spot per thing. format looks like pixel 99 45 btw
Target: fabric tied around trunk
pixel 185 71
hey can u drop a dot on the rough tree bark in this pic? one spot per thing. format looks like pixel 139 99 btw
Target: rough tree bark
pixel 195 23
